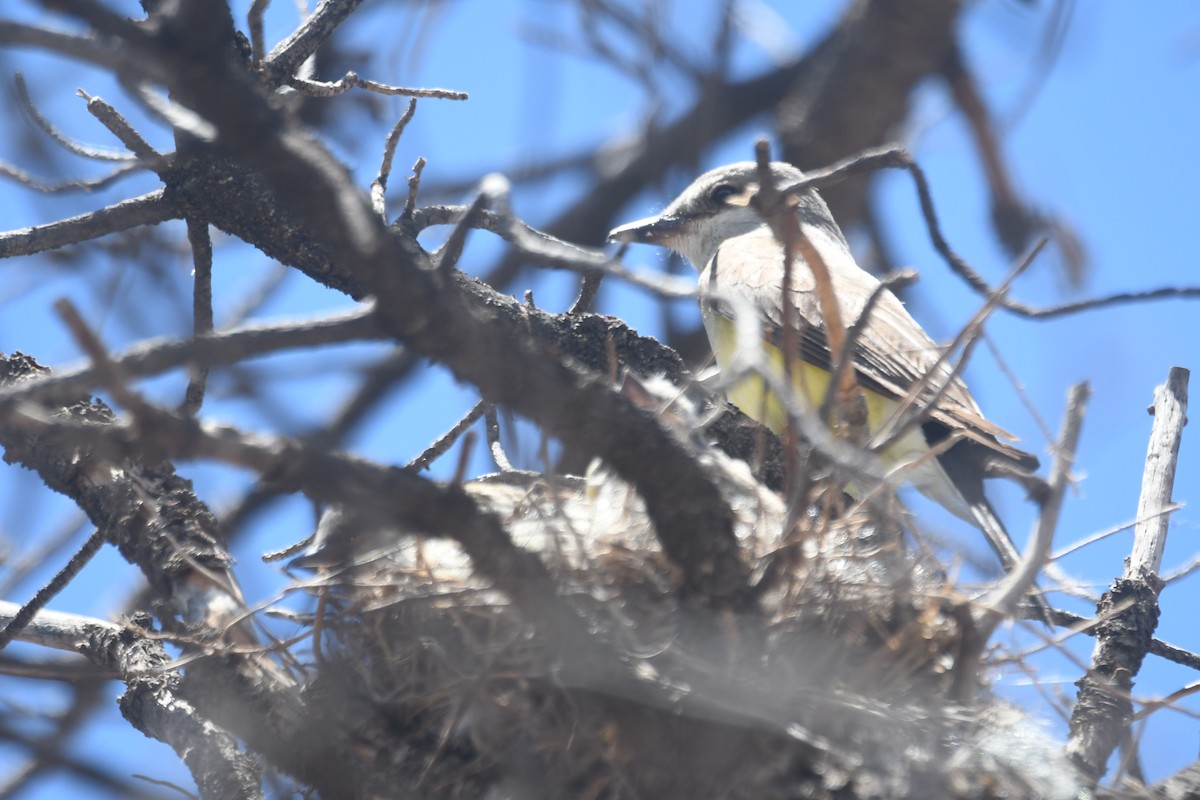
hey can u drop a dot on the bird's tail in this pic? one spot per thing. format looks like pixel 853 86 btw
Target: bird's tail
pixel 966 478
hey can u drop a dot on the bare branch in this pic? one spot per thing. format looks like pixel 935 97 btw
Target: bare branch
pixel 1164 650
pixel 120 127
pixel 84 48
pixel 447 440
pixel 400 496
pixel 84 150
pixel 149 209
pixel 1158 480
pixel 174 547
pixel 887 283
pixel 414 184
pixel 227 347
pixel 254 21
pixel 76 185
pixel 1183 785
pixel 917 401
pixel 447 256
pixel 61 631
pixel 544 248
pixel 202 312
pixel 379 185
pixel 492 426
pixel 898 158
pixel 1015 224
pixel 351 81
pixel 288 55
pixel 1128 612
pixel 1002 601
pixel 25 615
pixel 152 701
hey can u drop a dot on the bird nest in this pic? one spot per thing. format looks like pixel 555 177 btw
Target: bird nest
pixel 845 680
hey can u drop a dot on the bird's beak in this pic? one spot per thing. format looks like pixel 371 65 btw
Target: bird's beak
pixel 659 230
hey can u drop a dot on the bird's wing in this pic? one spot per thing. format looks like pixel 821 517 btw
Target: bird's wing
pixel 892 353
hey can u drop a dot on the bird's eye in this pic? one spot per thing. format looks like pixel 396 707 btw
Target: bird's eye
pixel 722 192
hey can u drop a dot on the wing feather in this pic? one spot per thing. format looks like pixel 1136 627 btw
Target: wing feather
pixel 891 355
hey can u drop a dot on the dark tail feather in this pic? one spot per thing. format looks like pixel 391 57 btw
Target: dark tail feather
pixel 967 477
pixel 997 536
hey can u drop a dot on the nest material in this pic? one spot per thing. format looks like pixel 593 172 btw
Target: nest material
pixel 842 687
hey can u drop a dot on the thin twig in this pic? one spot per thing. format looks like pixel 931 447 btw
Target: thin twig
pixel 414 184
pixel 776 209
pixel 1002 601
pixel 56 584
pixel 541 248
pixel 908 414
pixel 285 552
pixel 110 375
pixel 379 185
pixel 1179 573
pixel 1017 386
pixel 887 283
pixel 287 56
pixel 118 126
pixel 1104 534
pixel 149 209
pixel 254 21
pixel 253 298
pixel 19 566
pixel 79 149
pixel 88 48
pixel 202 311
pixel 1174 697
pixel 75 185
pixel 170 113
pixel 450 252
pixel 899 158
pixel 589 287
pixel 492 426
pixel 351 80
pixel 153 357
pixel 447 440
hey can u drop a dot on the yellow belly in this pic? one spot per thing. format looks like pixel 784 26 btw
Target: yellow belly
pixel 811 383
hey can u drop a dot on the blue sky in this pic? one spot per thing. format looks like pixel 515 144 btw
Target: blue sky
pixel 1107 145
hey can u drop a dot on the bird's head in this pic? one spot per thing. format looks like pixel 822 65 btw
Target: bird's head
pixel 719 205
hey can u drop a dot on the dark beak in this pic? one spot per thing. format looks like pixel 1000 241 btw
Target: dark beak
pixel 652 230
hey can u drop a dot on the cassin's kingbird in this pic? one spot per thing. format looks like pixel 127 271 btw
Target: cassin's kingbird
pixel 716 225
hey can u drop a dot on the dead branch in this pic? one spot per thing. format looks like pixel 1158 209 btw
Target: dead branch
pixel 893 157
pixel 416 304
pixel 149 209
pixel 57 136
pixel 154 357
pixel 153 701
pixel 1123 636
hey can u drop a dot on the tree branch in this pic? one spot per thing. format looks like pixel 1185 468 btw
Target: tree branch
pixel 428 310
pixel 152 701
pixel 1128 612
pixel 149 209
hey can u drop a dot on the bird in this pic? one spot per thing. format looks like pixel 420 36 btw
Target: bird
pixel 716 225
